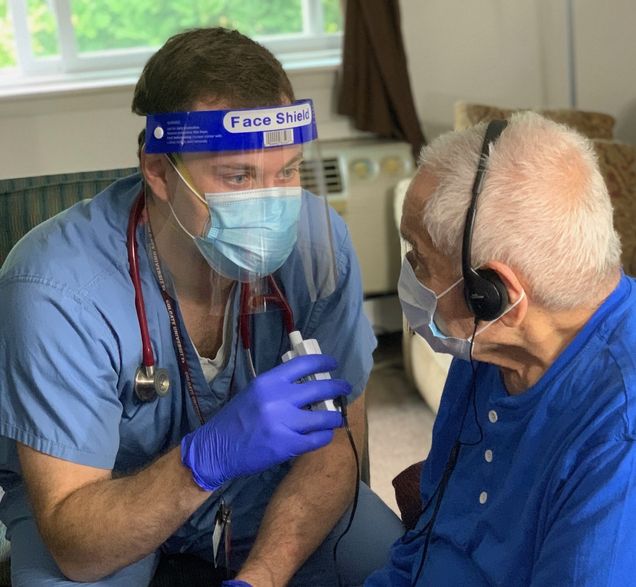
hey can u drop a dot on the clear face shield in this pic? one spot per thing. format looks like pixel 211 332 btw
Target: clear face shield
pixel 236 210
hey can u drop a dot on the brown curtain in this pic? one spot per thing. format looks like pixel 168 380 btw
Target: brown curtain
pixel 375 88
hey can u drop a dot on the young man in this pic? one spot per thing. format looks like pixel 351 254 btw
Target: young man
pixel 143 404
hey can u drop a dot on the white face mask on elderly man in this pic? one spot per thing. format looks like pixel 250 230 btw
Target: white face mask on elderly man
pixel 419 304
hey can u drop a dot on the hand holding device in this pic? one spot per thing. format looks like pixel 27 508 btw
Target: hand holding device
pixel 266 423
pixel 310 346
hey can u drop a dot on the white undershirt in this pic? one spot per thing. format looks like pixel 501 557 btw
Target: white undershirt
pixel 211 367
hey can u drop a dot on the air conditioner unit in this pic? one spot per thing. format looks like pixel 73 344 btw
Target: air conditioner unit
pixel 360 176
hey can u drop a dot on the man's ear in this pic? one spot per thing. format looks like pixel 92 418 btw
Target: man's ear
pixel 516 288
pixel 156 171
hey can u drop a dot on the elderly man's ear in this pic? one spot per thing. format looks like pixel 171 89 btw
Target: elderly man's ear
pixel 515 289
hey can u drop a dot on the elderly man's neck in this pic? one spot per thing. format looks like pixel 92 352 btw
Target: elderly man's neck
pixel 536 344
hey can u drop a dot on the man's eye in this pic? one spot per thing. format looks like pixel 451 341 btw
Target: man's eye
pixel 290 172
pixel 419 267
pixel 237 179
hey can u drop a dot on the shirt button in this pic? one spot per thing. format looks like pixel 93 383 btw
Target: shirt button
pixel 492 416
pixel 483 497
pixel 488 456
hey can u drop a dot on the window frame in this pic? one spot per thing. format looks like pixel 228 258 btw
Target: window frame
pixel 307 50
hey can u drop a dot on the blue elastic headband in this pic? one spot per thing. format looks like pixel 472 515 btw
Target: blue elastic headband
pixel 231 130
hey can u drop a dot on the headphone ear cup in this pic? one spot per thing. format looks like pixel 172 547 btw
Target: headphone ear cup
pixel 486 295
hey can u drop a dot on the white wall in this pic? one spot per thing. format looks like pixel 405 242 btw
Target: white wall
pixel 481 51
pixel 515 53
pixel 605 41
pixel 502 52
pixel 95 129
pixel 68 132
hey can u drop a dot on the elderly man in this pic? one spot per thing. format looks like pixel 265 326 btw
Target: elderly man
pixel 531 478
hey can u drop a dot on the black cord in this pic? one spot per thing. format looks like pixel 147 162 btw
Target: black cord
pixel 441 486
pixel 450 466
pixel 473 391
pixel 343 408
pixel 450 463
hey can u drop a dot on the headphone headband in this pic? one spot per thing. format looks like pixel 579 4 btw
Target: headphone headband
pixel 485 293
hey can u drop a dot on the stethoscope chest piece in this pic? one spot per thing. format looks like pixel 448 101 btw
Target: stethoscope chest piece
pixel 151 382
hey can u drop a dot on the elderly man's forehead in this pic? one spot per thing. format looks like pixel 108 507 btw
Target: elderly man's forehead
pixel 421 187
pixel 416 197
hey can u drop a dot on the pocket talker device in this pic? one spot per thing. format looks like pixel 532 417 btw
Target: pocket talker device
pixel 310 346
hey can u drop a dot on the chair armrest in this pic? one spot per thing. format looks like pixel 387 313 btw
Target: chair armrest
pixel 407 494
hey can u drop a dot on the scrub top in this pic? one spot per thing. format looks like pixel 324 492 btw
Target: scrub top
pixel 544 488
pixel 70 346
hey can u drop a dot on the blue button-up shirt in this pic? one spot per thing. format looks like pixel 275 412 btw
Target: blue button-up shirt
pixel 544 488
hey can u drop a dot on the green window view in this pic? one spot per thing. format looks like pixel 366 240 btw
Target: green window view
pixel 7 41
pixel 120 24
pixel 42 28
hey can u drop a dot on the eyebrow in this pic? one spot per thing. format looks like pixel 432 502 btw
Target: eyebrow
pixel 295 159
pixel 243 167
pixel 406 237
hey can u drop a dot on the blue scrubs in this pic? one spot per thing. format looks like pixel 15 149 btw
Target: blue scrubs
pixel 544 489
pixel 69 349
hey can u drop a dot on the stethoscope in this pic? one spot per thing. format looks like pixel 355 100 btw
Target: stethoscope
pixel 152 381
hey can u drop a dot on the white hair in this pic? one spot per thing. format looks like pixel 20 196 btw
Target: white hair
pixel 544 209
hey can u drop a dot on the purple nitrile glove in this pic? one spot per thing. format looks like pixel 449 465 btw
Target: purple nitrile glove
pixel 265 424
pixel 235 583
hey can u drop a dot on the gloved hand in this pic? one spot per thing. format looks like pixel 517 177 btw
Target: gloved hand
pixel 265 424
pixel 235 583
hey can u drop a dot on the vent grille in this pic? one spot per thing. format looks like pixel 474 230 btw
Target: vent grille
pixel 330 169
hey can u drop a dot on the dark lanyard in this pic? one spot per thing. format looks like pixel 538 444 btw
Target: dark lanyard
pixel 223 524
pixel 176 333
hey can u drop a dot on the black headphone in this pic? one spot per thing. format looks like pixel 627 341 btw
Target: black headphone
pixel 485 294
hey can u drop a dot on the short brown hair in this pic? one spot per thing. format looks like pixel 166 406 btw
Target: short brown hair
pixel 210 64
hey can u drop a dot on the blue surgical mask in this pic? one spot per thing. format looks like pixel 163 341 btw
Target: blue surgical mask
pixel 250 233
pixel 419 304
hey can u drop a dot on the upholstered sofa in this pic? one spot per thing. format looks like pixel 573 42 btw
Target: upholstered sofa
pixel 594 125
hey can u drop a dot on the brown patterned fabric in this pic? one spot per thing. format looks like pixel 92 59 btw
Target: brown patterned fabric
pixel 618 166
pixel 594 125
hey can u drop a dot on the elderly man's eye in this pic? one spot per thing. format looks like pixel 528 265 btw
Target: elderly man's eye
pixel 418 264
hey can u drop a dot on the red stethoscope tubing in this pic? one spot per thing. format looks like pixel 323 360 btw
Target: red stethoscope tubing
pixel 249 303
pixel 133 261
